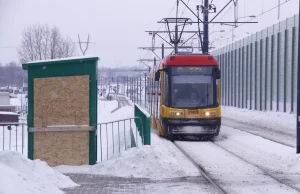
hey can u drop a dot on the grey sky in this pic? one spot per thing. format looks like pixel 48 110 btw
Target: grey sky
pixel 117 27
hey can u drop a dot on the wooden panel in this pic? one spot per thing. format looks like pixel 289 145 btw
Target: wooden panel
pixel 61 101
pixel 62 148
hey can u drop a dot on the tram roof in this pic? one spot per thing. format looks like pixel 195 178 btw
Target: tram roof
pixel 189 60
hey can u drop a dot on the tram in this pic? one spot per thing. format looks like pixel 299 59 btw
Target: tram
pixel 184 96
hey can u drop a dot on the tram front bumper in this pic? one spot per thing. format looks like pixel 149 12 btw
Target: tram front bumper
pixel 193 126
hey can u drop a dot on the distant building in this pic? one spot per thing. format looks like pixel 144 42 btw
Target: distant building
pixel 4 98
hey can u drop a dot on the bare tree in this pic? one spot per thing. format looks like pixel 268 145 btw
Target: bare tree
pixel 39 42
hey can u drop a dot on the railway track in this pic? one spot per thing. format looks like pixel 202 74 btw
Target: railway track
pixel 279 179
pixel 202 171
pixel 264 170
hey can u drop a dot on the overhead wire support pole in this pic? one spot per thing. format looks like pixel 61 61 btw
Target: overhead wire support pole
pixel 199 30
pixel 205 27
pixel 220 11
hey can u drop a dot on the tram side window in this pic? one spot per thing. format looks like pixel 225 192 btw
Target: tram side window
pixel 166 89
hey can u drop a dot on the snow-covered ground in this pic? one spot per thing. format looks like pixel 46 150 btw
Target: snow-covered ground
pixel 244 159
pixel 159 161
pixel 21 175
pixel 278 121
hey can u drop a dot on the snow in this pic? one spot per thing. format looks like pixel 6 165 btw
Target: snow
pixel 143 110
pixel 159 161
pixel 21 175
pixel 268 154
pixel 273 120
pixel 7 113
pixel 231 173
pixel 62 59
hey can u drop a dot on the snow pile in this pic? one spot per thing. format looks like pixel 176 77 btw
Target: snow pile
pixel 21 175
pixel 272 120
pixel 161 160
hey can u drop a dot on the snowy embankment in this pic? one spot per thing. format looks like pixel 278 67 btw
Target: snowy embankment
pixel 278 121
pixel 21 175
pixel 159 161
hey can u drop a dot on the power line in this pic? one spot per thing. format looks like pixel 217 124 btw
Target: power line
pixel 184 8
pixel 148 52
pixel 260 15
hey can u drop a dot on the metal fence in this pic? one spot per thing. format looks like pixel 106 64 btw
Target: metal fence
pixel 259 72
pixel 118 136
pixel 13 136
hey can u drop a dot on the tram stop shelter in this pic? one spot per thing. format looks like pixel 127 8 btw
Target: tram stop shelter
pixel 62 110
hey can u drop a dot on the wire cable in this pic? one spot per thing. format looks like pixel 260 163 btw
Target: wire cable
pixel 259 16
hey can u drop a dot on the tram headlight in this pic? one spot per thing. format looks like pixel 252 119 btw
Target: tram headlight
pixel 207 114
pixel 176 113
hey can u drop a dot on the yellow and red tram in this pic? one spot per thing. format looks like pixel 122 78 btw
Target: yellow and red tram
pixel 184 95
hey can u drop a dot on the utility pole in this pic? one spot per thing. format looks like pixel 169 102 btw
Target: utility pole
pixel 162 51
pixel 87 44
pixel 278 17
pixel 176 39
pixel 205 27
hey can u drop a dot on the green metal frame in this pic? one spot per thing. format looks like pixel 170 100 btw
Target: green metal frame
pixel 146 129
pixel 62 68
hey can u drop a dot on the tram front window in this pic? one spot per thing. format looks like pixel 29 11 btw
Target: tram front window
pixel 193 91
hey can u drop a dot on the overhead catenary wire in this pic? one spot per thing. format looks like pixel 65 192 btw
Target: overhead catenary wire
pixel 171 11
pixel 271 9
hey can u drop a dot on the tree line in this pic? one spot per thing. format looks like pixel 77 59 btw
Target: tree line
pixel 39 42
pixel 12 74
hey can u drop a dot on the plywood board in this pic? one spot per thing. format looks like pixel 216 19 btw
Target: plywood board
pixel 62 148
pixel 61 101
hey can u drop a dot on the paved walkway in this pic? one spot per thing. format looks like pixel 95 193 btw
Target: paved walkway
pixel 90 184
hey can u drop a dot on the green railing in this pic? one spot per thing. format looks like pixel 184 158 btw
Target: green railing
pixel 145 131
pixel 117 136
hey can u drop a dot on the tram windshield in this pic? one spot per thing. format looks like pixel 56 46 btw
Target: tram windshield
pixel 193 89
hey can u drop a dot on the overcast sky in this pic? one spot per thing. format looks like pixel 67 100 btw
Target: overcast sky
pixel 117 26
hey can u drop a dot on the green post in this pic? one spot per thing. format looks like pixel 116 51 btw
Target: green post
pixel 145 118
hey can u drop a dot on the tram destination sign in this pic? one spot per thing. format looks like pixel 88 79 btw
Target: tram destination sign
pixel 192 70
